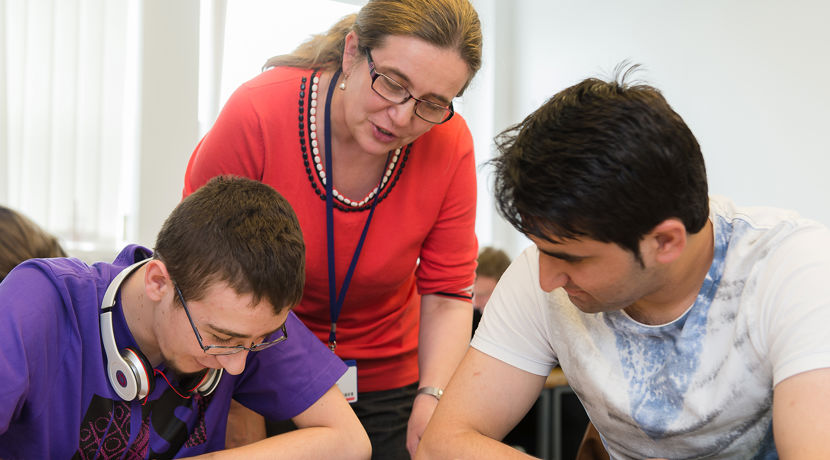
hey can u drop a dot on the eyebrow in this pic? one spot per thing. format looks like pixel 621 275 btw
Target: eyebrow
pixel 562 255
pixel 240 335
pixel 399 76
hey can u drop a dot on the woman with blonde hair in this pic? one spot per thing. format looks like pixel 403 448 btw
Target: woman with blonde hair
pixel 21 239
pixel 357 129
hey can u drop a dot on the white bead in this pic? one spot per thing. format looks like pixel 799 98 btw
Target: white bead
pixel 323 179
pixel 316 151
pixel 316 79
pixel 314 143
pixel 312 119
pixel 323 175
pixel 313 127
pixel 313 103
pixel 319 167
pixel 347 201
pixel 313 111
pixel 313 135
pixel 314 95
pixel 387 174
pixel 316 159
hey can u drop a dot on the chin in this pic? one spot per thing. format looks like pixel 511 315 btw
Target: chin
pixel 185 371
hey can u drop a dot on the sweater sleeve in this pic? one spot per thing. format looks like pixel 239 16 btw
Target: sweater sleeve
pixel 448 256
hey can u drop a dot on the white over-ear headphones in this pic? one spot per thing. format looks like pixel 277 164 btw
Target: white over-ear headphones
pixel 129 372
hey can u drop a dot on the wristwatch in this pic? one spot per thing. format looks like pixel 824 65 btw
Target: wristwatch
pixel 432 391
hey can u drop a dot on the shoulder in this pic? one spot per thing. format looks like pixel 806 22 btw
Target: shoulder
pixel 761 234
pixel 278 80
pixel 39 304
pixel 448 140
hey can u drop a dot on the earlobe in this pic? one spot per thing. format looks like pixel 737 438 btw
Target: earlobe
pixel 155 280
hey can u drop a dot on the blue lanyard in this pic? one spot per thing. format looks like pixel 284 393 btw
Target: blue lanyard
pixel 335 299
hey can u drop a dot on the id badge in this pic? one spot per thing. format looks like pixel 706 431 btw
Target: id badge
pixel 348 382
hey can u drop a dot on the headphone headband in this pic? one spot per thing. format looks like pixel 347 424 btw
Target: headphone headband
pixel 129 372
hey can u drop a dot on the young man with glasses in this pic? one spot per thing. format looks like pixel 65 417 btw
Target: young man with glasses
pixel 141 358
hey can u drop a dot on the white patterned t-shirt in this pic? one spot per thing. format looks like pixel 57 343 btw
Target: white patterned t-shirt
pixel 702 385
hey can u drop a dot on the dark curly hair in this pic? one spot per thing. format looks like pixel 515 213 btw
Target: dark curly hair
pixel 603 160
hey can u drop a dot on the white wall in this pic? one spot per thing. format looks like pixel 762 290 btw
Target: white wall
pixel 169 126
pixel 749 78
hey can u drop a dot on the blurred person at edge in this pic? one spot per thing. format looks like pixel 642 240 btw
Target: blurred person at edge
pixel 21 239
pixel 491 263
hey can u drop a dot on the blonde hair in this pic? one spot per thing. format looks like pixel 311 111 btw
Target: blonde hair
pixel 21 239
pixel 450 24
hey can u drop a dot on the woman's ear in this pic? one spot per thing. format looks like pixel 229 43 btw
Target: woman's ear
pixel 155 280
pixel 667 240
pixel 350 52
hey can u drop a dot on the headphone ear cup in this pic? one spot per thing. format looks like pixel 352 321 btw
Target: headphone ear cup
pixel 122 378
pixel 142 372
pixel 209 382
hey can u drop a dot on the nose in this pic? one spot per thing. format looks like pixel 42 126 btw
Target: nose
pixel 233 364
pixel 401 114
pixel 551 273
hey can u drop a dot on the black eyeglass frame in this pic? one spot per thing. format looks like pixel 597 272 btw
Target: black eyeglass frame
pixel 223 349
pixel 374 74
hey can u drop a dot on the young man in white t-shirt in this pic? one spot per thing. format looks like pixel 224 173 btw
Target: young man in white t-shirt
pixel 687 326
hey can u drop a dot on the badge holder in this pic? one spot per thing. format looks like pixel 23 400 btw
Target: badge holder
pixel 348 382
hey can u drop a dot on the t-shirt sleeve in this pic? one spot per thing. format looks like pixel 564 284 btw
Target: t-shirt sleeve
pixel 30 340
pixel 448 256
pixel 233 146
pixel 515 327
pixel 288 378
pixel 794 290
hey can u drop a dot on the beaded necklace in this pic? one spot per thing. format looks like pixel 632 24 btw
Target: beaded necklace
pixel 343 203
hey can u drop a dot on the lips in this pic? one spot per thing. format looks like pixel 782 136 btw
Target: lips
pixel 572 292
pixel 383 135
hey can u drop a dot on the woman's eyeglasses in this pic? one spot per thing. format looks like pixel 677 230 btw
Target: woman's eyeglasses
pixel 392 91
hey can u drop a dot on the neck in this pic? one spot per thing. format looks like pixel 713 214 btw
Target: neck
pixel 356 171
pixel 138 312
pixel 681 282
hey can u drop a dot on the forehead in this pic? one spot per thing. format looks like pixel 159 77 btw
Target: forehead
pixel 423 67
pixel 573 246
pixel 221 306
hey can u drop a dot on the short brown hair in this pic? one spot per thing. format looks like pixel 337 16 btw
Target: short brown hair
pixel 239 231
pixel 21 239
